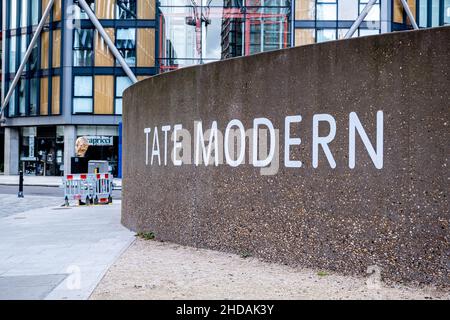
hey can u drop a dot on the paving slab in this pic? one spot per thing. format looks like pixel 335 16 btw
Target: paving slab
pixel 76 244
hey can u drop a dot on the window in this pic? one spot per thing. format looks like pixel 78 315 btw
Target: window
pixel 34 12
pixel 447 12
pixel 23 48
pixel 126 9
pixel 82 94
pixel 24 13
pixel 82 13
pixel 22 96
pixel 374 13
pixel 126 44
pixel 121 84
pixel 82 47
pixel 12 54
pixel 12 105
pixel 434 13
pixel 348 9
pixel 368 32
pixel 33 61
pixel 326 10
pixel 33 96
pixel 326 35
pixel 13 14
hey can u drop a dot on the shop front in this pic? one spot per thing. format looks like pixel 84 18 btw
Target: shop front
pixel 42 150
pixel 103 144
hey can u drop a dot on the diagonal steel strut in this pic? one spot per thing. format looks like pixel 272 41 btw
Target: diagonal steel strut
pixel 26 57
pixel 366 10
pixel 108 40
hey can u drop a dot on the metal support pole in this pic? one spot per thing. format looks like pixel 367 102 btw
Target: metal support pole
pixel 360 19
pixel 410 15
pixel 108 40
pixel 20 194
pixel 27 55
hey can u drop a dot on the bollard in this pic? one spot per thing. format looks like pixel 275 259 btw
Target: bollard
pixel 20 195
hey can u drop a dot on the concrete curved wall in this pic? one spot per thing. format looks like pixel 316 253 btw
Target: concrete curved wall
pixel 391 210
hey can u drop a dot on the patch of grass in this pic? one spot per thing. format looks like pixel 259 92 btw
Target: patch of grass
pixel 322 274
pixel 245 255
pixel 146 235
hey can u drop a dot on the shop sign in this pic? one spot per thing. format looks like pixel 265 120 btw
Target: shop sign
pixel 100 140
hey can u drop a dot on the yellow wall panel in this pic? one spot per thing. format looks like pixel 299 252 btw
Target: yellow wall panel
pixel 105 9
pixel 44 49
pixel 56 93
pixel 305 9
pixel 44 96
pixel 304 36
pixel 103 56
pixel 146 9
pixel 145 47
pixel 56 63
pixel 398 11
pixel 104 95
pixel 56 10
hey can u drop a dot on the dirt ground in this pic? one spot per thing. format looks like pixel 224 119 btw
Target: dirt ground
pixel 155 270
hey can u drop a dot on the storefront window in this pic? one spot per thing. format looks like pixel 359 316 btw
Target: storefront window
pixel 83 53
pixel 42 150
pixel 104 143
pixel 126 9
pixel 82 92
pixel 121 84
pixel 28 150
pixel 126 43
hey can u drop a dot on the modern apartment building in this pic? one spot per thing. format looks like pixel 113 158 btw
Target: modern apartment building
pixel 73 80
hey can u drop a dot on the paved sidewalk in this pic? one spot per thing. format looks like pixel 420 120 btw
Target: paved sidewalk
pixel 59 253
pixel 13 180
pixel 11 204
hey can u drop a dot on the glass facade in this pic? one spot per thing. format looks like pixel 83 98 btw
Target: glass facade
pixel 327 20
pixel 217 29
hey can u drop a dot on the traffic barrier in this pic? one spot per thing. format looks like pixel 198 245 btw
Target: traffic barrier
pixel 90 188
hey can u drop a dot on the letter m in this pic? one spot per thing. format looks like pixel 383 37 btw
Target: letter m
pixel 200 141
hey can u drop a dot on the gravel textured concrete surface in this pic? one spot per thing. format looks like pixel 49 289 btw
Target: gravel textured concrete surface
pixel 157 270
